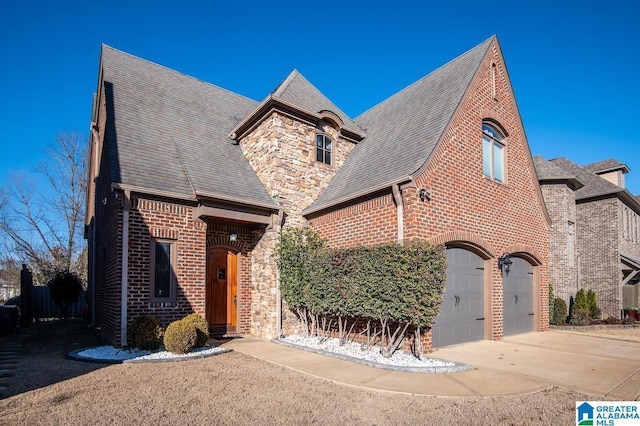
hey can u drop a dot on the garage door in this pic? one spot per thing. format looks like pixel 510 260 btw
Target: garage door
pixel 518 297
pixel 461 317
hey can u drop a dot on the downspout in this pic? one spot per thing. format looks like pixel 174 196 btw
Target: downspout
pixel 278 294
pixel 397 197
pixel 125 269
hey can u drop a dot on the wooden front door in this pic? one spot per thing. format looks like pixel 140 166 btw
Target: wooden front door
pixel 222 298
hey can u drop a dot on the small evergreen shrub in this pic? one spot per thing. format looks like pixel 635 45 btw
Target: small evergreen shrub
pixel 581 302
pixel 201 326
pixel 594 311
pixel 580 317
pixel 180 337
pixel 559 311
pixel 146 333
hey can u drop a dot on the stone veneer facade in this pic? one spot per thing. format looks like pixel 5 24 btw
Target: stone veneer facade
pixel 281 150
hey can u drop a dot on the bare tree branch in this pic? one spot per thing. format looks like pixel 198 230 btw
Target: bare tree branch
pixel 43 223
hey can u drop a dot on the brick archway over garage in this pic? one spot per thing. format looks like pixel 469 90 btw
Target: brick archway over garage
pixel 466 240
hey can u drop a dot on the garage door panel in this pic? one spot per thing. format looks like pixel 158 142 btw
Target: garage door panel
pixel 518 297
pixel 463 300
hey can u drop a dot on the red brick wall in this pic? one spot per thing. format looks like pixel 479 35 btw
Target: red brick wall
pixel 108 259
pixel 369 222
pixel 508 216
pixel 499 217
pixel 163 219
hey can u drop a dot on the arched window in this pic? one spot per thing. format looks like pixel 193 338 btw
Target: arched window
pixel 492 153
pixel 323 149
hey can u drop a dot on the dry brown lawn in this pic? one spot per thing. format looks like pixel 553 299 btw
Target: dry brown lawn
pixel 231 389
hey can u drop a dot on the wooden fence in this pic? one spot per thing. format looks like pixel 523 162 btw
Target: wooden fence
pixel 42 306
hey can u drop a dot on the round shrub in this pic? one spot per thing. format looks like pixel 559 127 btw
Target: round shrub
pixel 580 317
pixel 198 322
pixel 146 333
pixel 180 337
pixel 559 311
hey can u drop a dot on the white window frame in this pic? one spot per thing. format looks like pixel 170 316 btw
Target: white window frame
pixel 493 151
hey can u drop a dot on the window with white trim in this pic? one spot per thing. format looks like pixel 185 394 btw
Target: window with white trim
pixel 162 271
pixel 492 153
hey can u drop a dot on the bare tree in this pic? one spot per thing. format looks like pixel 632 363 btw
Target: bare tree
pixel 42 221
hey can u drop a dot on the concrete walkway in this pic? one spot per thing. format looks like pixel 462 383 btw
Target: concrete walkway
pixel 516 365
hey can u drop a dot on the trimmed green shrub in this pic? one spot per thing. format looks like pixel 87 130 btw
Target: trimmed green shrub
pixel 198 322
pixel 180 337
pixel 559 311
pixel 580 317
pixel 396 285
pixel 145 332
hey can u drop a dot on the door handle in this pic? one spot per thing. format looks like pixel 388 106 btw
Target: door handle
pixel 457 300
pixel 516 298
pixel 480 319
pixel 235 300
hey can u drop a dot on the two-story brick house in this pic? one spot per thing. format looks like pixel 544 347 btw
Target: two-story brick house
pixel 595 232
pixel 190 185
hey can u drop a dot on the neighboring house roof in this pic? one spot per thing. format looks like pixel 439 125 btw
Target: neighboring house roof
pixel 605 166
pixel 550 173
pixel 402 131
pixel 168 133
pixel 595 186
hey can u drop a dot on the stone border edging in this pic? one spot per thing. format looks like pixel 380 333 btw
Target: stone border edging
pixel 457 368
pixel 74 356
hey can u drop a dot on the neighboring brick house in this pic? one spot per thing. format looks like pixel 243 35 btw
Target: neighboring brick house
pixel 190 185
pixel 595 233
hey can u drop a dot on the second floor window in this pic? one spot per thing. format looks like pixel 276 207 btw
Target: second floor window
pixel 492 153
pixel 323 149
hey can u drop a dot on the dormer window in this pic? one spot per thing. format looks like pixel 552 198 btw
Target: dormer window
pixel 492 153
pixel 323 149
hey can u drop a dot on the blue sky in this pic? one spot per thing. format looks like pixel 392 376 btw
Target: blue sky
pixel 574 65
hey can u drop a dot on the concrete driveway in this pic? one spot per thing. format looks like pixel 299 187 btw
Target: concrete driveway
pixel 516 365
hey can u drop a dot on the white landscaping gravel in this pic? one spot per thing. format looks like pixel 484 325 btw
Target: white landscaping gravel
pixel 110 353
pixel 354 350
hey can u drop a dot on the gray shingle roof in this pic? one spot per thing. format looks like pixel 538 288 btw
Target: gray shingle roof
pixel 549 172
pixel 606 166
pixel 169 132
pixel 594 185
pixel 297 90
pixel 402 131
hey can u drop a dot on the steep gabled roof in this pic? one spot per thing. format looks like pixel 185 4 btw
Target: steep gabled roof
pixel 168 133
pixel 548 172
pixel 605 166
pixel 297 90
pixel 403 131
pixel 297 97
